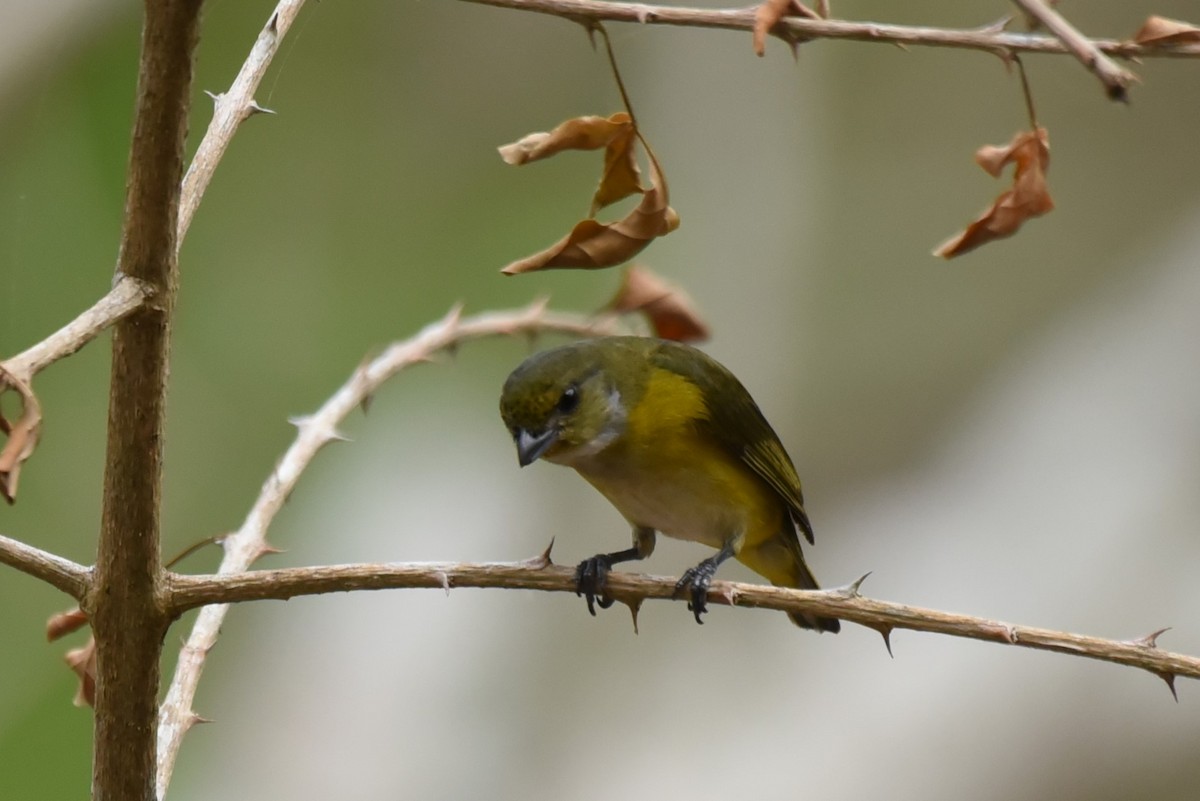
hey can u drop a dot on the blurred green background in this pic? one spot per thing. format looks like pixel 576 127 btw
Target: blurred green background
pixel 1014 434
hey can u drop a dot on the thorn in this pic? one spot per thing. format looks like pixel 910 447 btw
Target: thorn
pixel 445 579
pixel 453 316
pixel 216 96
pixel 1007 633
pixel 1150 640
pixel 337 436
pixel 635 606
pixel 590 26
pixel 1169 678
pixel 534 311
pixel 253 108
pixel 995 27
pixel 273 24
pixel 192 719
pixel 366 402
pixel 265 549
pixel 885 631
pixel 726 591
pixel 851 589
pixel 300 420
pixel 542 560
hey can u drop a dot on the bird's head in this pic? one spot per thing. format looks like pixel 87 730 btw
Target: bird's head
pixel 568 403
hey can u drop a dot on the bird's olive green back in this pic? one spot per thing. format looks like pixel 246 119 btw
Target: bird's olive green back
pixel 737 423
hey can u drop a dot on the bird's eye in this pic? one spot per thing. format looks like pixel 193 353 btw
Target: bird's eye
pixel 569 400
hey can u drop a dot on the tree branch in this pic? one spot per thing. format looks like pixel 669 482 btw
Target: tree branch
pixel 232 108
pixel 124 606
pixel 799 29
pixel 63 574
pixel 632 589
pixel 1115 78
pixel 126 296
pixel 249 542
pixel 129 294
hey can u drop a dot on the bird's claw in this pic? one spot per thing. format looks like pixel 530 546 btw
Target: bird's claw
pixel 696 580
pixel 590 577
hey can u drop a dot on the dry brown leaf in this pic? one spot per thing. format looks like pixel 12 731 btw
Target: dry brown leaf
pixel 82 662
pixel 621 177
pixel 768 14
pixel 63 623
pixel 592 245
pixel 578 133
pixel 671 313
pixel 1164 31
pixel 616 134
pixel 1028 197
pixel 22 434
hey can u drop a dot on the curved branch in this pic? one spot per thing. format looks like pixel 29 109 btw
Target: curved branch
pixel 799 29
pixel 249 542
pixel 232 108
pixel 126 296
pixel 73 579
pixel 632 589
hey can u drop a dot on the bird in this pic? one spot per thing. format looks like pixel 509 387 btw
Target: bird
pixel 676 443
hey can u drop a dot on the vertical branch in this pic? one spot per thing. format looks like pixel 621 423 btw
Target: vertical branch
pixel 125 609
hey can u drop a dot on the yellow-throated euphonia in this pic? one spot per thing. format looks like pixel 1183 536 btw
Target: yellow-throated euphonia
pixel 677 444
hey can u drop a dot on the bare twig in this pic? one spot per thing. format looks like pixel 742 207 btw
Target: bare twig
pixel 232 108
pixel 56 571
pixel 126 295
pixel 795 28
pixel 1115 78
pixel 245 545
pixel 631 588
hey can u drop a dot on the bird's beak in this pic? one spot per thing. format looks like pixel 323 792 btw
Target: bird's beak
pixel 532 446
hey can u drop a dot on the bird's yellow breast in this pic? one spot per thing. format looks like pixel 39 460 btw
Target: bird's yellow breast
pixel 664 472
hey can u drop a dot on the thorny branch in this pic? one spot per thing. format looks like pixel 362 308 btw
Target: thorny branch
pixel 129 294
pixel 798 29
pixel 233 107
pixel 249 542
pixel 1116 79
pixel 632 589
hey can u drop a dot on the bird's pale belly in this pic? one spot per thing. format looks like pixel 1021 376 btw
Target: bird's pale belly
pixel 702 500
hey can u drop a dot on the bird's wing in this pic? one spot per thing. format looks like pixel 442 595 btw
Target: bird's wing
pixel 738 424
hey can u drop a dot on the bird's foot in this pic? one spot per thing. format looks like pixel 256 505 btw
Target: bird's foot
pixel 697 580
pixel 590 577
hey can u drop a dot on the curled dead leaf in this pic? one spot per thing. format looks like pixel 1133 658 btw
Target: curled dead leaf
pixel 63 623
pixel 1164 31
pixel 578 133
pixel 621 177
pixel 592 245
pixel 616 134
pixel 82 662
pixel 767 15
pixel 22 434
pixel 671 313
pixel 1028 197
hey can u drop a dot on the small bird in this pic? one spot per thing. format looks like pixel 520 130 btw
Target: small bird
pixel 677 445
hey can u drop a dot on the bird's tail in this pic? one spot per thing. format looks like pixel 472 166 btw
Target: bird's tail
pixel 780 561
pixel 804 580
